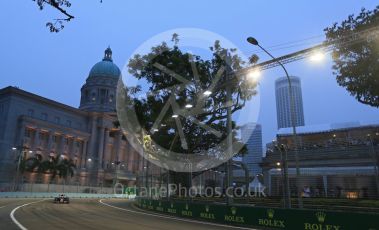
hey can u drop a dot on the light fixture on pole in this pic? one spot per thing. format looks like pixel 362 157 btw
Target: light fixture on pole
pixel 317 56
pixel 254 41
pixel 254 75
pixel 207 93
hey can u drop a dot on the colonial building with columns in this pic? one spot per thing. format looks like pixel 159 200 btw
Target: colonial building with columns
pixel 32 125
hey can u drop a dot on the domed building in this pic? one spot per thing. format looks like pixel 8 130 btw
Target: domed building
pixel 34 126
pixel 98 93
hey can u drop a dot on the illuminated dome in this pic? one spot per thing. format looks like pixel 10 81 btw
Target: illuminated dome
pixel 99 91
pixel 106 67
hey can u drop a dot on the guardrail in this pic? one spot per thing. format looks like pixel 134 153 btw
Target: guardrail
pixel 71 195
pixel 271 218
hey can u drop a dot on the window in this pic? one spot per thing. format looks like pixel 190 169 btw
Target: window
pixel 66 141
pixel 1 108
pixel 103 93
pixel 28 132
pixel 68 123
pixel 93 95
pixel 86 95
pixel 30 112
pixel 57 120
pixel 44 116
pixel 55 138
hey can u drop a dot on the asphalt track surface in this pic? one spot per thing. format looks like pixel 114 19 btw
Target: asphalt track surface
pixel 89 214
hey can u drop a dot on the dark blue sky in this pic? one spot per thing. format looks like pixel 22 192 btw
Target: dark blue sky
pixel 56 65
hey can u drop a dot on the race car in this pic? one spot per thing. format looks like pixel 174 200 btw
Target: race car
pixel 62 199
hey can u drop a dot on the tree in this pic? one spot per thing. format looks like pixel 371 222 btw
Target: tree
pixel 58 166
pixel 34 164
pixel 164 69
pixel 60 5
pixel 356 66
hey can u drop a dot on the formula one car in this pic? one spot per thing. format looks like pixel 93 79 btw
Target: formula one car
pixel 62 199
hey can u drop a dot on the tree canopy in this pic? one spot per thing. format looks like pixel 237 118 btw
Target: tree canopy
pixel 356 65
pixel 167 71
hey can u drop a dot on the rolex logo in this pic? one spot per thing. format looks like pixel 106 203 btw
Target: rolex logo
pixel 207 208
pixel 321 217
pixel 270 213
pixel 186 206
pixel 233 210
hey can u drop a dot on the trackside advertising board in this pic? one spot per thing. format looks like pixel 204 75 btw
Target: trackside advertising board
pixel 270 218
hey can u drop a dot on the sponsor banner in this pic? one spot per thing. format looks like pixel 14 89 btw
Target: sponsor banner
pixel 271 218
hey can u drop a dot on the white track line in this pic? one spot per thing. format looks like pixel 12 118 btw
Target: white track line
pixel 3 206
pixel 15 209
pixel 177 218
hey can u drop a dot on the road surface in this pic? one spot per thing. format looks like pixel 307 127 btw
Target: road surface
pixel 16 214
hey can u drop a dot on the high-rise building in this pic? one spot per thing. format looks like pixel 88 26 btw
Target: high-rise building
pixel 251 134
pixel 283 108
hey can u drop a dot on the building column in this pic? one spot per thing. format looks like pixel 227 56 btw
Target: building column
pixel 92 142
pixel 36 144
pixel 118 145
pixel 106 145
pixel 49 142
pixel 83 155
pixel 101 148
pixel 61 144
pixel 21 137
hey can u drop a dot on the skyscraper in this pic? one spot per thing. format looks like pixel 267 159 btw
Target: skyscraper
pixel 283 108
pixel 251 134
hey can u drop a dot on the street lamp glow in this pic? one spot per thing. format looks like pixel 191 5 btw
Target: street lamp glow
pixel 155 130
pixel 278 163
pixel 14 148
pixel 207 93
pixel 317 56
pixel 89 160
pixel 254 75
pixel 174 116
pixel 30 151
pixel 188 106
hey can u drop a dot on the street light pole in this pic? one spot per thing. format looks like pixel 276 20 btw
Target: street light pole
pixel 284 164
pixel 229 128
pixel 253 41
pixel 20 156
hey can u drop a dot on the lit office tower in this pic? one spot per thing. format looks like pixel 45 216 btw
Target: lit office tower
pixel 283 108
pixel 251 134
